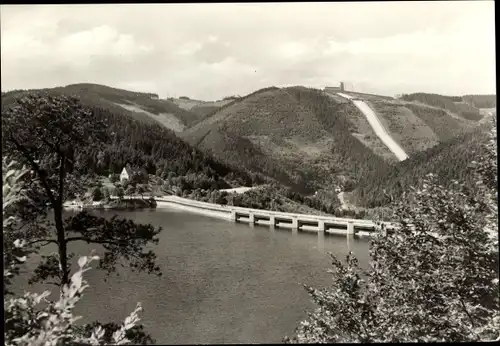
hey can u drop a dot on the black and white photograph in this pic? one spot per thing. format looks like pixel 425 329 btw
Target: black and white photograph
pixel 249 173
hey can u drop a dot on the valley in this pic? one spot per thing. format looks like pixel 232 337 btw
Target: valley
pixel 250 173
pixel 327 143
pixel 312 150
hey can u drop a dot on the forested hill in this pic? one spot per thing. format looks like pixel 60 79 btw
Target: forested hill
pixel 466 106
pixel 481 101
pixel 301 137
pixel 296 135
pixel 153 147
pixel 448 160
pixel 318 140
pixel 145 107
pixel 199 107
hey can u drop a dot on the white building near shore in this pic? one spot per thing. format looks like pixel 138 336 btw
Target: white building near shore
pixel 125 175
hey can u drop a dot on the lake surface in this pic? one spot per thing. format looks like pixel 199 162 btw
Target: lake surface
pixel 222 282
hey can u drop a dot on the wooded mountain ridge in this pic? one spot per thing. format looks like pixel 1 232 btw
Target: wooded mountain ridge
pixel 303 138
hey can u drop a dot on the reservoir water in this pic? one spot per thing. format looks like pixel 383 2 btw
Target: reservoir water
pixel 222 282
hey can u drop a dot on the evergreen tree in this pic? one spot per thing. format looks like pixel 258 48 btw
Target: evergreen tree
pixel 49 134
pixel 25 322
pixel 435 279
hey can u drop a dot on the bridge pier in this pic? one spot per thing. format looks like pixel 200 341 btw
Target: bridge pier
pixel 350 228
pixel 233 216
pixel 295 223
pixel 321 226
pixel 272 221
pixel 321 241
pixel 251 218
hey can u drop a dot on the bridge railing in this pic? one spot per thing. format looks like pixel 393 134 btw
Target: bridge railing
pixel 267 213
pixel 192 203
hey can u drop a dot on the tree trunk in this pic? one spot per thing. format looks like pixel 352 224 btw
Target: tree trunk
pixel 61 236
pixel 62 246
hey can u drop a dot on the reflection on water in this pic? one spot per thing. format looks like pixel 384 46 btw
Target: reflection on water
pixel 321 242
pixel 222 282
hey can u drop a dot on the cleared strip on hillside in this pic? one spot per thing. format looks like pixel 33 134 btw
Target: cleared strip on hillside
pixel 378 127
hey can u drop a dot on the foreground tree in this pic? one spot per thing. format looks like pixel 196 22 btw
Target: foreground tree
pixel 434 279
pixel 27 324
pixel 48 134
pixel 13 194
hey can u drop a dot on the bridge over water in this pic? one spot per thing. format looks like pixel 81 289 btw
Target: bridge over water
pixel 296 222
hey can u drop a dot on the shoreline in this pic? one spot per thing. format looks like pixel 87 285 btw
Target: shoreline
pixel 221 212
pixel 113 204
pixel 194 210
pixel 225 217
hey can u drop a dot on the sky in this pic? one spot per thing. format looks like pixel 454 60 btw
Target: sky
pixel 209 51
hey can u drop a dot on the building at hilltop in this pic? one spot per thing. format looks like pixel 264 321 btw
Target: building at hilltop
pixel 338 89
